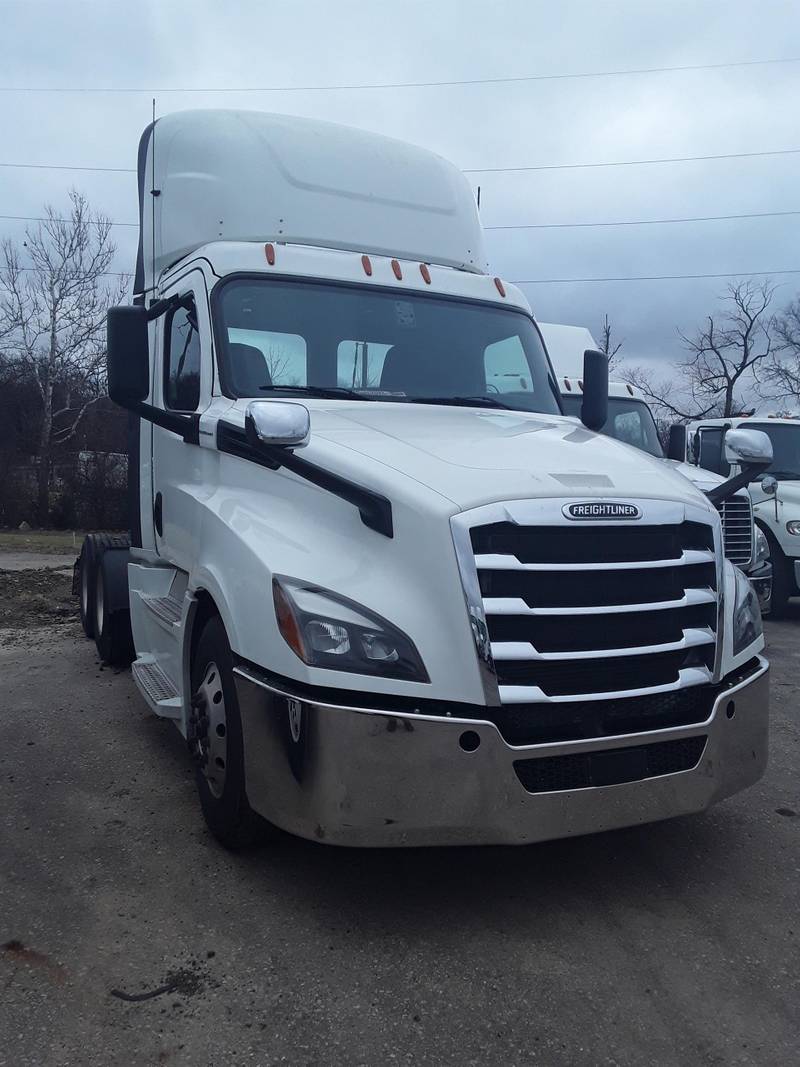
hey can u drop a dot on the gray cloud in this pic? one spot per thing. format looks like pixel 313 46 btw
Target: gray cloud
pixel 250 43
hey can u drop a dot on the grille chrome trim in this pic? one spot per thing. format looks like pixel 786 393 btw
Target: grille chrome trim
pixel 696 668
pixel 532 694
pixel 517 606
pixel 688 558
pixel 524 650
pixel 737 528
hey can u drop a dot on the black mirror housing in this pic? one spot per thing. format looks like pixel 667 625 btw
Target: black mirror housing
pixel 127 355
pixel 594 410
pixel 676 448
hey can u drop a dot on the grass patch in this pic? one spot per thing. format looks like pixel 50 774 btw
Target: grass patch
pixel 61 542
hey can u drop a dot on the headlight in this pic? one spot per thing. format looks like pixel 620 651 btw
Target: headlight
pixel 761 549
pixel 328 630
pixel 794 527
pixel 747 626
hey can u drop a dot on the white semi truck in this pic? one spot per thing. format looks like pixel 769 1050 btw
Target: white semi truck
pixel 776 494
pixel 387 592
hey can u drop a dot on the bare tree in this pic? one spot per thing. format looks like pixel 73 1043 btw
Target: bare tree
pixel 54 295
pixel 607 343
pixel 727 353
pixel 727 357
pixel 782 371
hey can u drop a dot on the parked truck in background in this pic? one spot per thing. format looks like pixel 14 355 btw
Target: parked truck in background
pixel 631 421
pixel 775 494
pixel 386 590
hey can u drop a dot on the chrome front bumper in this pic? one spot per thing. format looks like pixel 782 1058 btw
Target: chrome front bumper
pixel 354 776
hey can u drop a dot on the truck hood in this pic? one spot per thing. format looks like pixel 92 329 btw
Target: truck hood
pixel 477 456
pixel 698 476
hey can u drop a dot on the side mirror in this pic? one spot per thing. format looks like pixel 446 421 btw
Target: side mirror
pixel 127 355
pixel 769 485
pixel 594 410
pixel 748 448
pixel 751 451
pixel 676 448
pixel 280 423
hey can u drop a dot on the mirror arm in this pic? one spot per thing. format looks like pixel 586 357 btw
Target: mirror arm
pixel 374 508
pixel 161 307
pixel 186 426
pixel 733 485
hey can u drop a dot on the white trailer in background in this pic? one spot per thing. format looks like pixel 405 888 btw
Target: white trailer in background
pixel 386 590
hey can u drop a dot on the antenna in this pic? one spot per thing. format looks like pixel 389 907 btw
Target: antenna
pixel 153 193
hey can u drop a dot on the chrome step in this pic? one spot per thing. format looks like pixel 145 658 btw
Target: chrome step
pixel 157 688
pixel 165 608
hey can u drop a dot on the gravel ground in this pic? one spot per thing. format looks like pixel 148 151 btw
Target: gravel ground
pixel 672 944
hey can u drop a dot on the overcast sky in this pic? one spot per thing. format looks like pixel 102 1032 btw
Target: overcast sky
pixel 203 44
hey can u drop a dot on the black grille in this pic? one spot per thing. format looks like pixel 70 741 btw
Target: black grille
pixel 612 766
pixel 574 589
pixel 539 724
pixel 589 544
pixel 579 633
pixel 562 677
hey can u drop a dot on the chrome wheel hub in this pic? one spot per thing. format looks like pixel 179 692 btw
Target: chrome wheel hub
pixel 208 730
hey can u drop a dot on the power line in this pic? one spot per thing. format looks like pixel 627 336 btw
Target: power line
pixel 564 281
pixel 631 162
pixel 657 277
pixel 637 222
pixel 481 170
pixel 43 218
pixel 58 166
pixel 525 226
pixel 505 80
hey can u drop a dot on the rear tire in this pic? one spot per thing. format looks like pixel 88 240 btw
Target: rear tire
pixel 112 623
pixel 215 740
pixel 92 549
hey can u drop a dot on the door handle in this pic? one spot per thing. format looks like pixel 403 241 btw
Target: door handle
pixel 158 515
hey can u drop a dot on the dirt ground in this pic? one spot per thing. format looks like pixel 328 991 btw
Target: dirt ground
pixel 31 598
pixel 129 938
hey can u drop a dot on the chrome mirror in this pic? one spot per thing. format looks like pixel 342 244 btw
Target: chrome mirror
pixel 748 448
pixel 769 485
pixel 281 423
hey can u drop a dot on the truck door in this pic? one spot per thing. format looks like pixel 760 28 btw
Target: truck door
pixel 184 374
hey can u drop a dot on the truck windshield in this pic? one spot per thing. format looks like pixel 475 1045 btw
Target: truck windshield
pixel 361 343
pixel 785 449
pixel 629 421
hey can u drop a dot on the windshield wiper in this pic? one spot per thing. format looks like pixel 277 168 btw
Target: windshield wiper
pixel 331 392
pixel 460 401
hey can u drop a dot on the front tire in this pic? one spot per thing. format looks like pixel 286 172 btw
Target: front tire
pixel 215 741
pixel 782 584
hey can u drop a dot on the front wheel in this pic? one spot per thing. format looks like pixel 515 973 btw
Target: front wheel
pixel 782 584
pixel 215 741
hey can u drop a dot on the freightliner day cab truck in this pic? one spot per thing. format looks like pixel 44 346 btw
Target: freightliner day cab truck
pixel 388 593
pixel 631 421
pixel 776 495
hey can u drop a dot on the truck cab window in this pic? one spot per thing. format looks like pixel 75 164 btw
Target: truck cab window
pixel 182 361
pixel 407 348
